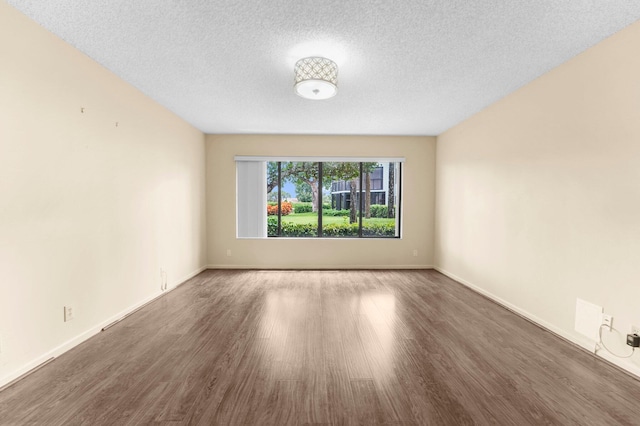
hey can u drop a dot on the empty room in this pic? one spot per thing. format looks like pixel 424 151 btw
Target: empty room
pixel 319 213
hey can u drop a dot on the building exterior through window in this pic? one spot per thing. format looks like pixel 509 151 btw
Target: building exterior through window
pixel 341 190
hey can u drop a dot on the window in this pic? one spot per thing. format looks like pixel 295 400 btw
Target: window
pixel 376 178
pixel 318 197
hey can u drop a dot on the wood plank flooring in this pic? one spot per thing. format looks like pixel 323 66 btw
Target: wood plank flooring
pixel 324 348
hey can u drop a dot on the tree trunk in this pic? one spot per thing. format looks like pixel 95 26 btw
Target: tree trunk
pixel 353 216
pixel 314 195
pixel 367 195
pixel 391 211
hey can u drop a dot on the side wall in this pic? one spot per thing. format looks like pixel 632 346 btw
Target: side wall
pixel 538 196
pixel 417 196
pixel 100 188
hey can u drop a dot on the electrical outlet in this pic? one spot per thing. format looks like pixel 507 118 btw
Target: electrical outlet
pixel 415 253
pixel 635 330
pixel 68 313
pixel 607 320
pixel 229 252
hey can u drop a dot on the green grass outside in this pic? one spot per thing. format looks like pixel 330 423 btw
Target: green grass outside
pixel 299 218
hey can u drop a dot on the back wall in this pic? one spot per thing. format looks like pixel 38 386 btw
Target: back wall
pixel 417 197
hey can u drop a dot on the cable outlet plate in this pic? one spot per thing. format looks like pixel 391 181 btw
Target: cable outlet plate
pixel 607 320
pixel 163 279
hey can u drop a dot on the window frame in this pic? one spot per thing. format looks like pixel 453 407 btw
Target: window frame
pixel 398 164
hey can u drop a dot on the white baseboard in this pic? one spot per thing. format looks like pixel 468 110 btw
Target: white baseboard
pixel 187 277
pixel 92 331
pixel 318 267
pixel 625 365
pixel 584 343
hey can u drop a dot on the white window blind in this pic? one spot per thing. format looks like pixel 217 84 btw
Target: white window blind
pixel 251 199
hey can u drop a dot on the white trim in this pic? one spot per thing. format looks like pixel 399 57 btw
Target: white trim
pixel 179 282
pixel 27 373
pixel 585 343
pixel 625 365
pixel 317 267
pixel 314 159
pixel 92 331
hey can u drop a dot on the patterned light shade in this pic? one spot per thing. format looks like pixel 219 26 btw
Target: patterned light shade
pixel 316 78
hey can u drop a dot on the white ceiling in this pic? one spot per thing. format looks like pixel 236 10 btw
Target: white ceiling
pixel 406 67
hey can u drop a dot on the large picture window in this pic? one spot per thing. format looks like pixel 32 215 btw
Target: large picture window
pixel 318 197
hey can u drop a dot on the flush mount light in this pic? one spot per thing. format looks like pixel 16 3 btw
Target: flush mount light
pixel 316 78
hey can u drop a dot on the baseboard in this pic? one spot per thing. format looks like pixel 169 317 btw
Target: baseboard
pixel 187 277
pixel 585 343
pixel 317 267
pixel 92 331
pixel 627 366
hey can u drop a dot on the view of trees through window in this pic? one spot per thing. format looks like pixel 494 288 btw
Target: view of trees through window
pixel 333 199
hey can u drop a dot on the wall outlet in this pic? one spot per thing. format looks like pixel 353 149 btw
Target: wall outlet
pixel 68 313
pixel 229 252
pixel 607 320
pixel 415 253
pixel 635 330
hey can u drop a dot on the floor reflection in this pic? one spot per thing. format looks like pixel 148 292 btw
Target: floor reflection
pixel 309 333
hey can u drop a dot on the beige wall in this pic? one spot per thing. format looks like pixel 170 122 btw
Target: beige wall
pixel 538 196
pixel 417 197
pixel 89 212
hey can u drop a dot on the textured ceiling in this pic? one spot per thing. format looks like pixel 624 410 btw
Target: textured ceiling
pixel 405 67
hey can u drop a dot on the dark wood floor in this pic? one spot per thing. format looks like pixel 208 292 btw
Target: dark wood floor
pixel 324 347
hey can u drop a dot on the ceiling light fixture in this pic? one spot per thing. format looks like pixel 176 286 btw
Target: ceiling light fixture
pixel 316 78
